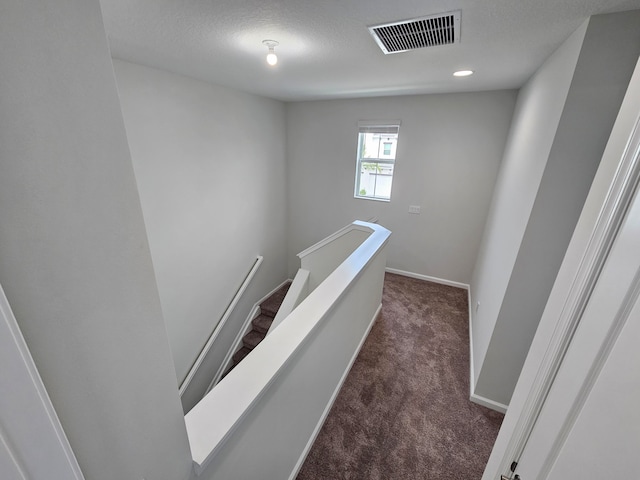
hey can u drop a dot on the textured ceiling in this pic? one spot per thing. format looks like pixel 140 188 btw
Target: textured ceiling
pixel 326 50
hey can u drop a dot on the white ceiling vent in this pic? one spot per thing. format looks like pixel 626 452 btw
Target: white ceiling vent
pixel 431 31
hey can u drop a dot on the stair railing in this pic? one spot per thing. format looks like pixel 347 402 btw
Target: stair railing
pixel 218 328
pixel 227 362
pixel 260 421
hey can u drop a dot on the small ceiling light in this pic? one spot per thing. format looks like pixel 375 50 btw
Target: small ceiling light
pixel 463 73
pixel 272 58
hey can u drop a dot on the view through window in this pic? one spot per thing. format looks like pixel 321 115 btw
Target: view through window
pixel 377 146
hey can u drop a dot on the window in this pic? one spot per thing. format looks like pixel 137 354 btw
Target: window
pixel 377 146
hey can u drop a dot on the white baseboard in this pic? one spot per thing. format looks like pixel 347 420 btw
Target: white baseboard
pixel 472 370
pixel 485 402
pixel 246 327
pixel 419 276
pixel 323 417
pixel 480 400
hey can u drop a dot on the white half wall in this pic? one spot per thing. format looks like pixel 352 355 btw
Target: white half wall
pixel 260 421
pixel 74 258
pixel 449 151
pixel 210 167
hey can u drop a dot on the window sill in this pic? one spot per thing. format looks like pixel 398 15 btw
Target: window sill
pixel 386 200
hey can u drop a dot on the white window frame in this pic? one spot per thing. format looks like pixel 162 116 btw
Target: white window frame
pixel 381 127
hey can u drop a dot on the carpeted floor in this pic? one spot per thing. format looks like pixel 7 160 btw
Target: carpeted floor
pixel 404 410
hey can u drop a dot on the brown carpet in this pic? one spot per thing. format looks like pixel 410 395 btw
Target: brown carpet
pixel 404 410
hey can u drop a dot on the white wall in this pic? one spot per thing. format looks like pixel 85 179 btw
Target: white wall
pixel 555 313
pixel 74 258
pixel 605 60
pixel 210 166
pixel 449 151
pixel 537 114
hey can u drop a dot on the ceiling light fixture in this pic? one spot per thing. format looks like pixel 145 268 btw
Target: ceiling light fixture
pixel 463 73
pixel 272 58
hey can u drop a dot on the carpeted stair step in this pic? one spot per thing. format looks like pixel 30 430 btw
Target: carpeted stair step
pixel 252 339
pixel 262 323
pixel 240 354
pixel 272 304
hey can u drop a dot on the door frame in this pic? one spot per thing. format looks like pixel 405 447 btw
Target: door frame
pixel 33 444
pixel 586 255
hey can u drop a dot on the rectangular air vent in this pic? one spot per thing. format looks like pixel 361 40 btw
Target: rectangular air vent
pixel 431 31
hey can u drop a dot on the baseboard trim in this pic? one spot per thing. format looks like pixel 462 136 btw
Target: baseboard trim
pixel 325 413
pixel 480 400
pixel 485 402
pixel 472 369
pixel 419 276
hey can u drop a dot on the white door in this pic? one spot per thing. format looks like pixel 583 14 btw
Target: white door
pixel 605 439
pixel 33 445
pixel 589 426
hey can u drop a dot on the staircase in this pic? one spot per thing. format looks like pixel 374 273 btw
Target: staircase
pixel 260 325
